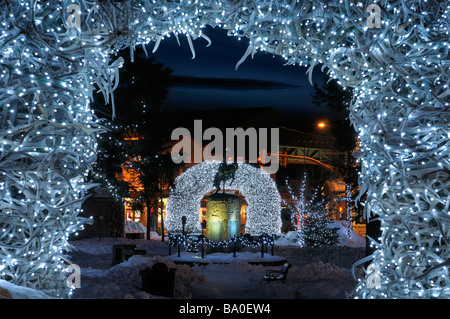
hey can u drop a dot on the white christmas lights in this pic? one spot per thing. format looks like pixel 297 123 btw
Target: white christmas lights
pixel 298 208
pixel 400 72
pixel 257 187
pixel 348 206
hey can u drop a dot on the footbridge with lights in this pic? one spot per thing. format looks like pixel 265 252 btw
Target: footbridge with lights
pixel 298 147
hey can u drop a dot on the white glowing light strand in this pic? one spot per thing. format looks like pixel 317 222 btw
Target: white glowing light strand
pixel 318 230
pixel 348 203
pixel 47 138
pixel 257 187
pixel 401 79
pixel 399 71
pixel 297 207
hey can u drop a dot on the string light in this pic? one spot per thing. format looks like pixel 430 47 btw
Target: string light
pixel 297 206
pixel 193 242
pixel 400 74
pixel 317 230
pixel 257 187
pixel 348 203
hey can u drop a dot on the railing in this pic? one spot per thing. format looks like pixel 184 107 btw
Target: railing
pixel 194 241
pixel 360 229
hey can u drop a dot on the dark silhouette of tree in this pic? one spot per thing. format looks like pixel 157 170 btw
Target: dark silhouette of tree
pixel 139 135
pixel 335 98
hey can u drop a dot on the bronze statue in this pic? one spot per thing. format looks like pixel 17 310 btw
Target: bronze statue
pixel 224 173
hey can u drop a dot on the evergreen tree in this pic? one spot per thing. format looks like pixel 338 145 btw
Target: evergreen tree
pixel 111 157
pixel 138 138
pixel 338 99
pixel 317 230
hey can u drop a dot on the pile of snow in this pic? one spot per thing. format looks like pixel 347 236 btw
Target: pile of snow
pixel 11 291
pixel 134 227
pixel 137 227
pixel 185 276
pixel 288 239
pixel 354 240
pixel 123 281
pixel 316 272
pixel 321 271
pixel 99 246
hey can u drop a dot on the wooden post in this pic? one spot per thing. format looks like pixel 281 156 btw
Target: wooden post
pixel 262 247
pixel 273 244
pixel 170 248
pixel 183 223
pixel 203 246
pixel 162 207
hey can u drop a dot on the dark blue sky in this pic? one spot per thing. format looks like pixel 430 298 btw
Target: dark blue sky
pixel 290 93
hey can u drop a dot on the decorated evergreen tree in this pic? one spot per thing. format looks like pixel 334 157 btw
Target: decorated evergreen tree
pixel 317 230
pixel 297 205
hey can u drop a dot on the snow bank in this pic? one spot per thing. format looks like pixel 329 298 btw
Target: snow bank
pixel 123 280
pixel 105 245
pixel 97 246
pixel 316 272
pixel 288 239
pixel 11 291
pixel 134 227
pixel 321 271
pixel 354 240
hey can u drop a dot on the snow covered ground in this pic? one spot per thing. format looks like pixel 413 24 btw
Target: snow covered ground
pixel 315 273
pixel 354 240
pixel 10 291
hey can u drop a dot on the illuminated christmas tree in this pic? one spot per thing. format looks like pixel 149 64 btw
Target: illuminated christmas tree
pixel 317 230
pixel 297 207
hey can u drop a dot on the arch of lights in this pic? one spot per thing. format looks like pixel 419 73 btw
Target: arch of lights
pixel 257 187
pixel 53 54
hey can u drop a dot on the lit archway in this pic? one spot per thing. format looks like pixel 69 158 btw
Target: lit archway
pixel 394 53
pixel 255 185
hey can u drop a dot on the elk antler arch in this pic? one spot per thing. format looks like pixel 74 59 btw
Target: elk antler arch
pixel 257 187
pixel 54 53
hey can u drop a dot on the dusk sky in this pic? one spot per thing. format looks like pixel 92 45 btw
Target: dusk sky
pixel 268 83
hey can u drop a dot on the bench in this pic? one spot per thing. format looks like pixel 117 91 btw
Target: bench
pixel 279 274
